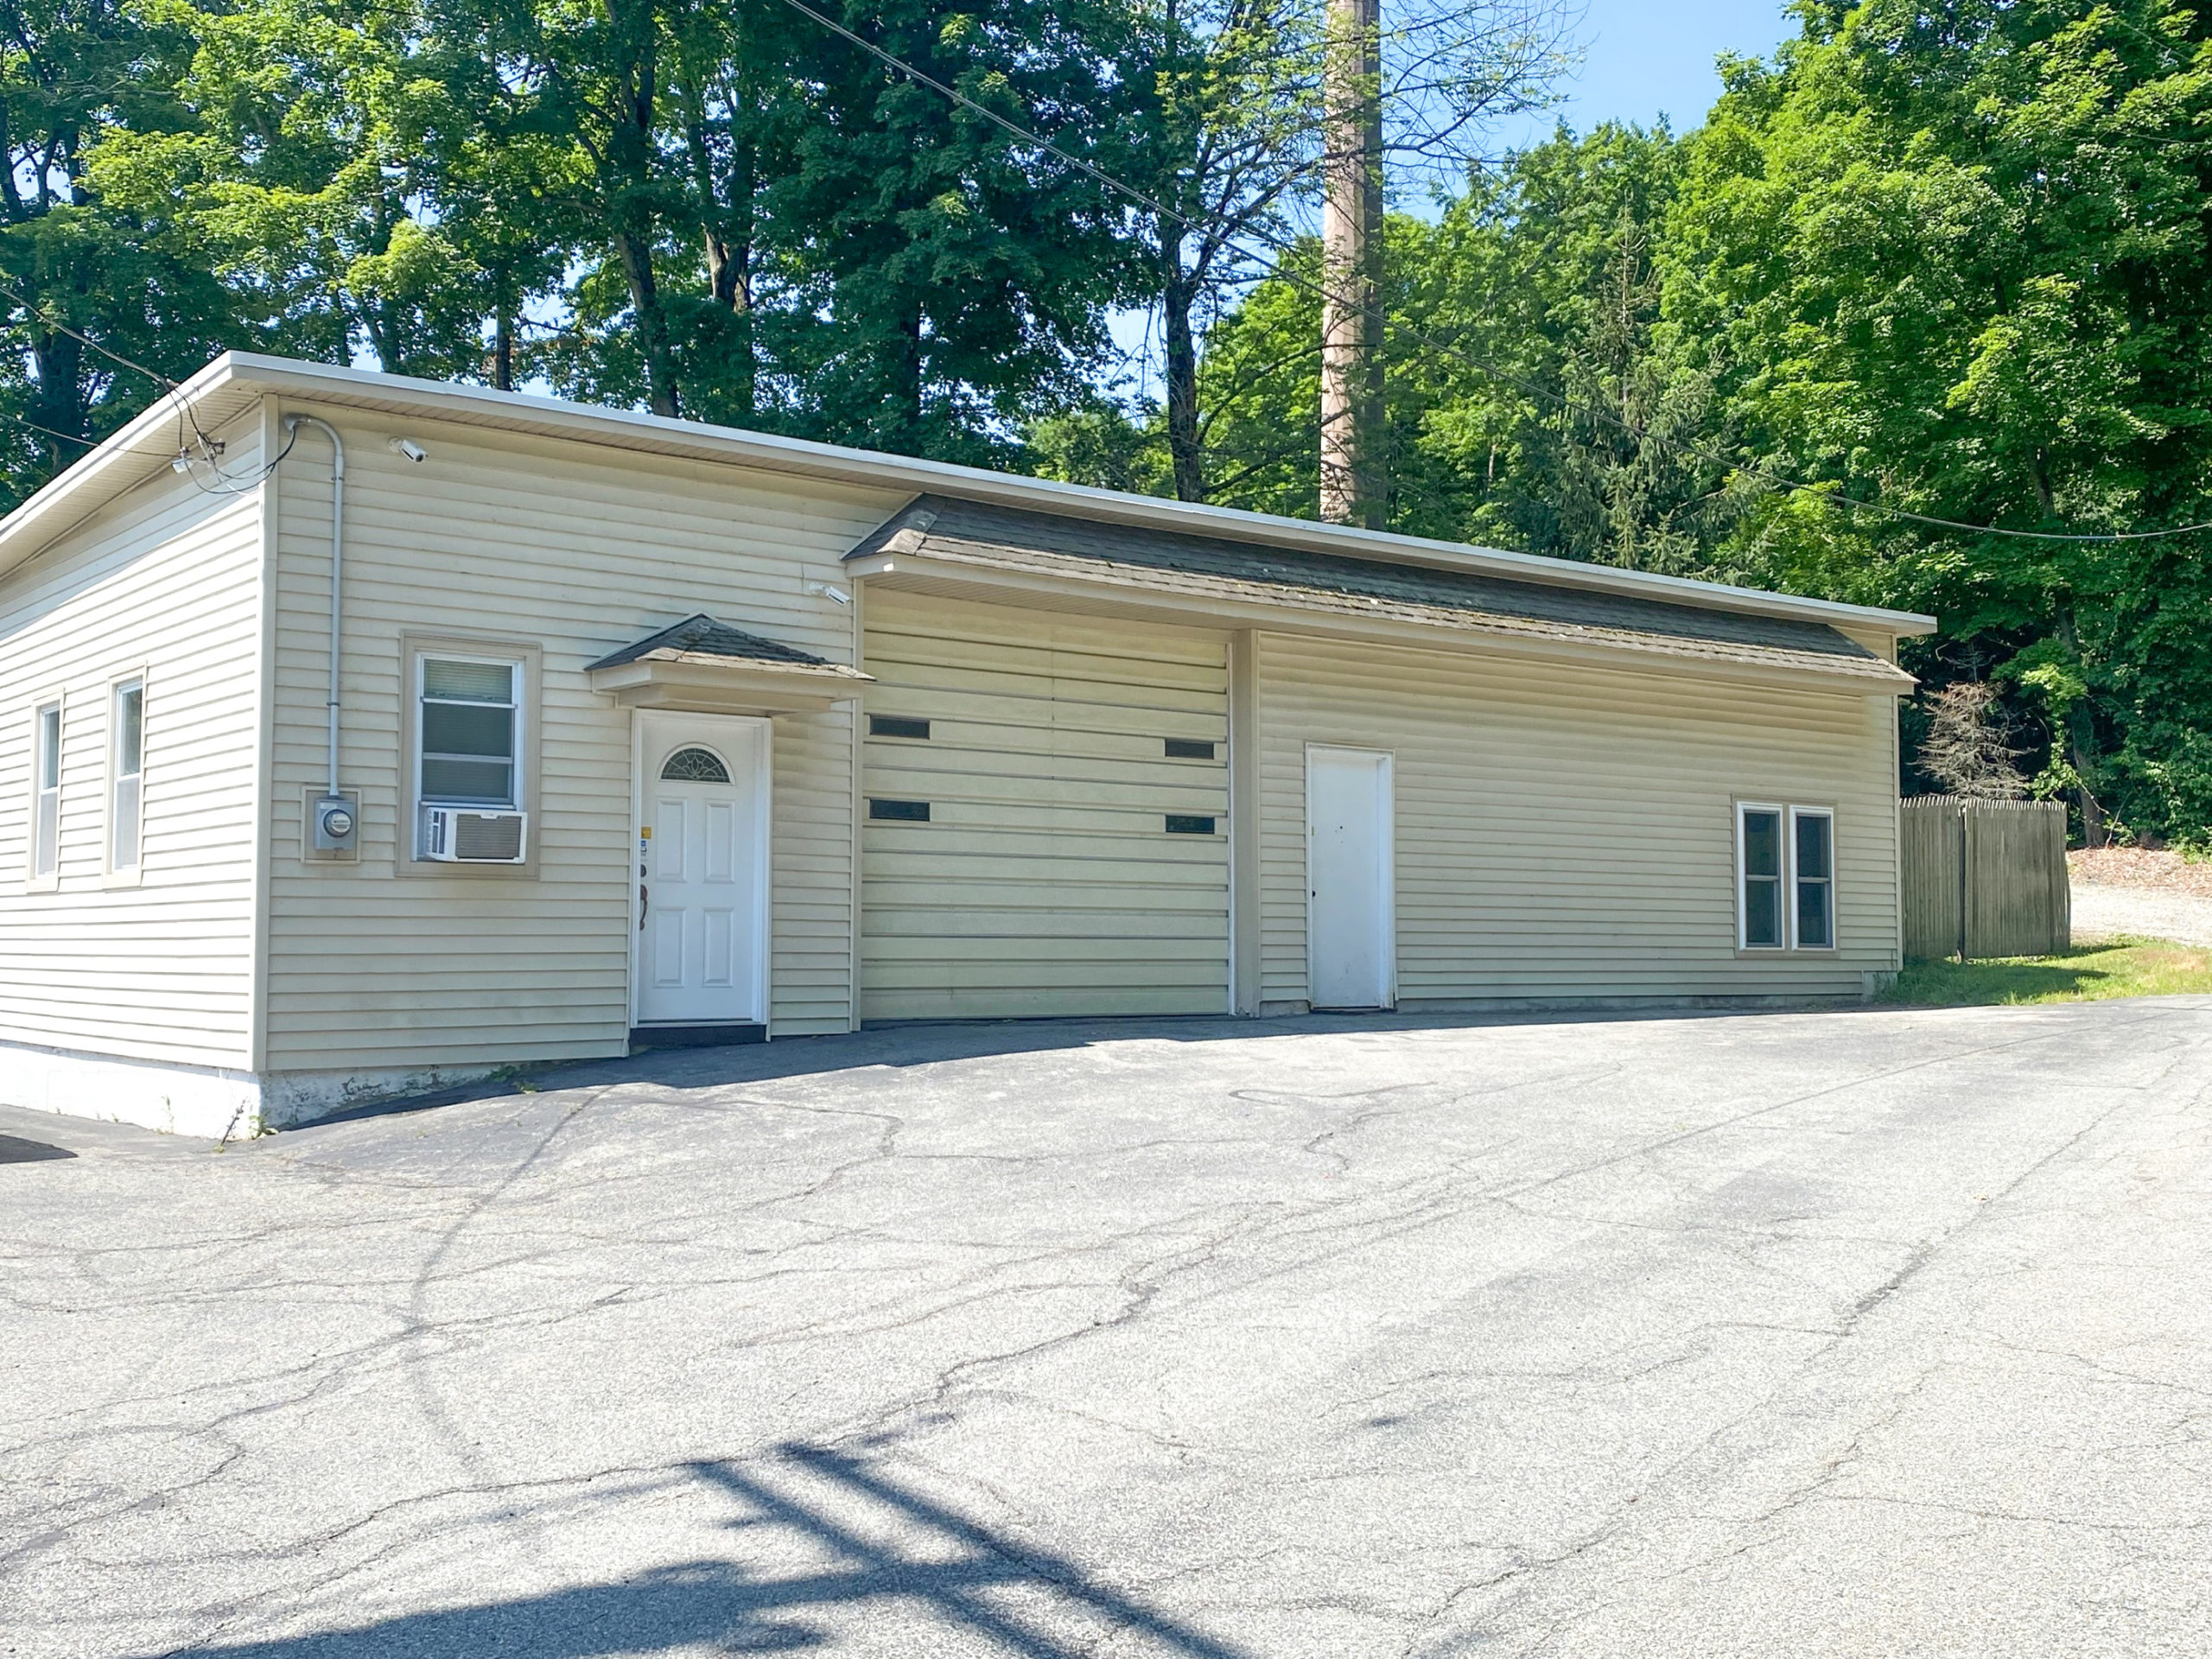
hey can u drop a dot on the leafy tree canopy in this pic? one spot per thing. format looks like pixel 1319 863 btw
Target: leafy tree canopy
pixel 1950 261
pixel 1946 259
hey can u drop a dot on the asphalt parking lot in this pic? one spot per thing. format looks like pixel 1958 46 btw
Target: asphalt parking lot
pixel 1863 1333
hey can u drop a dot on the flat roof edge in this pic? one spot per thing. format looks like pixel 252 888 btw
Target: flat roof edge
pixel 552 417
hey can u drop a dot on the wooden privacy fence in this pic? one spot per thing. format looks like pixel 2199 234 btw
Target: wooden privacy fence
pixel 1985 878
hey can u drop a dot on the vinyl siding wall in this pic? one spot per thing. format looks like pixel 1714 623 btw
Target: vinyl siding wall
pixel 1045 881
pixel 167 579
pixel 576 551
pixel 1568 833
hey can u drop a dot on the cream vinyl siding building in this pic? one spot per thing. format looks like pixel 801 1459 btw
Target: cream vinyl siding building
pixel 1568 835
pixel 651 732
pixel 133 982
pixel 550 555
pixel 1045 880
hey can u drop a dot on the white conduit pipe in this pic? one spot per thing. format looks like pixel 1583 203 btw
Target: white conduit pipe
pixel 292 425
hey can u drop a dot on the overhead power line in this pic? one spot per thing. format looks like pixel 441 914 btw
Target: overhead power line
pixel 66 437
pixel 209 448
pixel 1828 493
pixel 1818 491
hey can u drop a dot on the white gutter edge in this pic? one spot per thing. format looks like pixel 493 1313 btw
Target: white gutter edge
pixel 134 443
pixel 480 405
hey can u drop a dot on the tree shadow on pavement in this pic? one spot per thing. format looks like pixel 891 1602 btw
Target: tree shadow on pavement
pixel 926 1044
pixel 838 1512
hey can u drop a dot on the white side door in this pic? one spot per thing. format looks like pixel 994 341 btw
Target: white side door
pixel 1350 901
pixel 702 870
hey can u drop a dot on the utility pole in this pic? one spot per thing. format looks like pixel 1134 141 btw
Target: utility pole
pixel 1352 483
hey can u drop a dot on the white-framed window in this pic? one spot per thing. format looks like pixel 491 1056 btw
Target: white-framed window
pixel 46 793
pixel 1812 874
pixel 468 736
pixel 1759 876
pixel 126 773
pixel 1785 877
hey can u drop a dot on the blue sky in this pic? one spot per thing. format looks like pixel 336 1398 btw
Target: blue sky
pixel 1642 58
pixel 1645 58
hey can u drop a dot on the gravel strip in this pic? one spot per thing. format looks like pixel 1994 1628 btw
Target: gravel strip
pixel 2103 913
pixel 2132 867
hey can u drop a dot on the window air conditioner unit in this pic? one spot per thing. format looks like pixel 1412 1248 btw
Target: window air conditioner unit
pixel 470 835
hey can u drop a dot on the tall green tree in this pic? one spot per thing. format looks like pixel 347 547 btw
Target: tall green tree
pixel 1957 257
pixel 78 266
pixel 946 281
pixel 1537 395
pixel 597 79
pixel 1224 133
pixel 293 174
pixel 721 210
pixel 1577 414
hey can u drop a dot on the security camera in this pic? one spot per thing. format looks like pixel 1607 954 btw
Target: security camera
pixel 407 447
pixel 828 590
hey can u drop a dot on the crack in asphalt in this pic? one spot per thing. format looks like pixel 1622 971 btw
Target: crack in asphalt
pixel 816 1250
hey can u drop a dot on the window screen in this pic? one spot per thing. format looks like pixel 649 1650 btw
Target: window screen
pixel 45 808
pixel 1761 857
pixel 1815 880
pixel 127 791
pixel 467 743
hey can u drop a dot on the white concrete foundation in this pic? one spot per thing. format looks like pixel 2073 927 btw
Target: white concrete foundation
pixel 211 1103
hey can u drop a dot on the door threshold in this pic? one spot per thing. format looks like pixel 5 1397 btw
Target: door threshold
pixel 696 1036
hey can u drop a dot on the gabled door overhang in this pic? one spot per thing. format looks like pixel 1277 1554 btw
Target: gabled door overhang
pixel 702 666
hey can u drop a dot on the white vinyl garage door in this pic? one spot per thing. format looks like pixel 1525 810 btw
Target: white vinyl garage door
pixel 1046 823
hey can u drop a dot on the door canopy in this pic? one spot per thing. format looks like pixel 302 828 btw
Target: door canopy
pixel 710 668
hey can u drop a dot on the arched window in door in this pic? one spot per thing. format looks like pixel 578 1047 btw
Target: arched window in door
pixel 695 767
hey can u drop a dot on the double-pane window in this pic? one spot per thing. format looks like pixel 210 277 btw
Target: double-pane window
pixel 46 803
pixel 466 741
pixel 1785 862
pixel 1813 870
pixel 1761 853
pixel 127 774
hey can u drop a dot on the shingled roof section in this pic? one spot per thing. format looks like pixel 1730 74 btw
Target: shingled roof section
pixel 970 532
pixel 701 637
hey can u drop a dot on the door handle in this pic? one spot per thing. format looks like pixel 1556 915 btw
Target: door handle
pixel 643 905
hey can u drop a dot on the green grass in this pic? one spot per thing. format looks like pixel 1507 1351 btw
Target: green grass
pixel 2089 972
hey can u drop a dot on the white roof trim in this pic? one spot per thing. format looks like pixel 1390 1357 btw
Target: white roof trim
pixel 233 379
pixel 121 462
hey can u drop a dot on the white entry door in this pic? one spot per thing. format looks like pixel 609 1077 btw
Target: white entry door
pixel 1351 946
pixel 702 870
